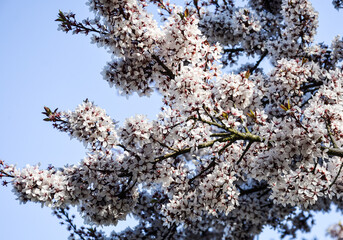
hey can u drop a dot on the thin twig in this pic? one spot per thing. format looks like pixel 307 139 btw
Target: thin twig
pixel 245 151
pixel 254 189
pixel 208 114
pixel 339 172
pixel 264 54
pixel 232 50
pixel 226 146
pixel 212 164
pixel 167 72
pixel 165 145
pixel 328 128
pixel 6 174
pixel 70 222
pixel 187 150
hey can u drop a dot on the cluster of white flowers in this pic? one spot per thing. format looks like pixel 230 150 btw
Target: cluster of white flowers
pixel 336 231
pixel 301 187
pixel 49 187
pixel 106 192
pixel 91 125
pixel 262 6
pixel 301 22
pixel 233 27
pixel 287 83
pixel 233 91
pixel 131 34
pixel 218 27
pixel 228 153
pixel 337 49
pixel 190 90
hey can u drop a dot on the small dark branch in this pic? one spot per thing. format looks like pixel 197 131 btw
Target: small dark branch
pixel 315 166
pixel 258 62
pixel 265 192
pixel 339 172
pixel 268 205
pixel 233 136
pixel 298 122
pixel 328 128
pixel 69 220
pixel 226 146
pixel 220 191
pixel 306 102
pixel 2 172
pixel 167 72
pixel 245 127
pixel 178 124
pixel 333 151
pixel 232 50
pixel 187 150
pixel 170 233
pixel 196 5
pixel 161 5
pixel 126 189
pixel 164 145
pixel 213 123
pixel 199 115
pixel 87 30
pixel 207 113
pixel 68 23
pixel 316 85
pixel 104 171
pixel 124 174
pixel 253 190
pixel 125 15
pixel 224 134
pixel 245 151
pixel 238 135
pixel 212 164
pixel 129 151
pixel 218 119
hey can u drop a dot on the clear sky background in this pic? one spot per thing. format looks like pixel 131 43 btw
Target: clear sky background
pixel 40 66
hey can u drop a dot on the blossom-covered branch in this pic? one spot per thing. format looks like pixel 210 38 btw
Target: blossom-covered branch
pixel 230 151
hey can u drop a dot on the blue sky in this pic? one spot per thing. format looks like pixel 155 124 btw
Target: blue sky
pixel 40 66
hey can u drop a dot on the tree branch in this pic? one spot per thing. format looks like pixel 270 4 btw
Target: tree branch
pixel 212 164
pixel 5 174
pixel 339 172
pixel 264 54
pixel 187 150
pixel 167 72
pixel 245 151
pixel 232 50
pixel 254 189
pixel 333 151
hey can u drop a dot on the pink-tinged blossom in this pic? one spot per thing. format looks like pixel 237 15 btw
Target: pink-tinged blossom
pixel 48 187
pixel 229 152
pixel 337 49
pixel 91 125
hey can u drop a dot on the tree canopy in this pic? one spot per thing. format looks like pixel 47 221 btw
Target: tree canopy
pixel 230 152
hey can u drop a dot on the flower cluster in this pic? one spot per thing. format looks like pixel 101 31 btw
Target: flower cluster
pixel 49 187
pixel 233 91
pixel 228 153
pixel 233 27
pixel 301 22
pixel 337 52
pixel 91 125
pixel 336 231
pixel 106 192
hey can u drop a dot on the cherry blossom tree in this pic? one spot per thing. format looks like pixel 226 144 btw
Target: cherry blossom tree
pixel 230 152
